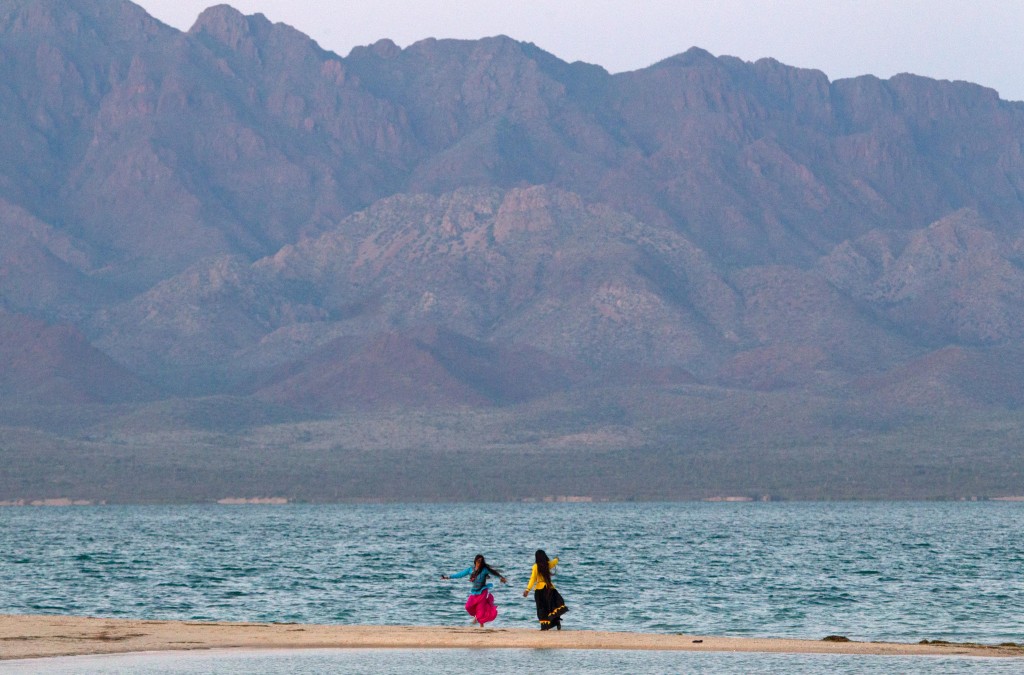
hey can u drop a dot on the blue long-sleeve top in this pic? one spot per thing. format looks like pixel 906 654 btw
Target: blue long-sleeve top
pixel 479 584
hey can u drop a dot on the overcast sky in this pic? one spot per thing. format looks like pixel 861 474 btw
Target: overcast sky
pixel 975 40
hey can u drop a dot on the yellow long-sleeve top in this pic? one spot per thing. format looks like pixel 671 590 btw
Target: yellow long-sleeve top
pixel 536 579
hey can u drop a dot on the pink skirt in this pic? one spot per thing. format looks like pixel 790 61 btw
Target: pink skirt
pixel 482 607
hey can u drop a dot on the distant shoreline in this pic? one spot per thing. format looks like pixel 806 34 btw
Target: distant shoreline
pixel 35 636
pixel 559 499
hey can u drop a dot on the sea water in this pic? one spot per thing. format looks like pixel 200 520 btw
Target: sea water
pixel 868 571
pixel 498 661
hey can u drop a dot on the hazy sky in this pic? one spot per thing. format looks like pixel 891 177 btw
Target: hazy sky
pixel 975 40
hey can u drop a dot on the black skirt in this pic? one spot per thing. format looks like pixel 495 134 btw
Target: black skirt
pixel 550 607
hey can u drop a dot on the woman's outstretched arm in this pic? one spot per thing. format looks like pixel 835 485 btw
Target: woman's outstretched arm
pixel 459 575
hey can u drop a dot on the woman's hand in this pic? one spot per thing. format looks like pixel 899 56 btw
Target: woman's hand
pixel 444 576
pixel 526 593
pixel 503 580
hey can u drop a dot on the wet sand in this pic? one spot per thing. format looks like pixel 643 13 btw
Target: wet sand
pixel 27 636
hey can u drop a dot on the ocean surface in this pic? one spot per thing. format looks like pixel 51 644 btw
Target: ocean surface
pixel 867 571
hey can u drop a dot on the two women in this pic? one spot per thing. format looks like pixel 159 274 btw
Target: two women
pixel 480 604
pixel 550 606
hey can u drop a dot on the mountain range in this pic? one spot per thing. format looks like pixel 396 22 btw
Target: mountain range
pixel 233 263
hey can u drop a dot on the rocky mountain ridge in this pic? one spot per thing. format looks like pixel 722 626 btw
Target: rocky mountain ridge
pixel 235 212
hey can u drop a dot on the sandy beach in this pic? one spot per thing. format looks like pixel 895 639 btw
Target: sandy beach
pixel 29 636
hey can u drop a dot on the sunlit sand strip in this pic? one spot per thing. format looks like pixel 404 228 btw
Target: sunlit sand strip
pixel 25 636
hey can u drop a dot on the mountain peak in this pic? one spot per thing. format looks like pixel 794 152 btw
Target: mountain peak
pixel 693 56
pixel 226 24
pixel 385 48
pixel 253 35
pixel 120 19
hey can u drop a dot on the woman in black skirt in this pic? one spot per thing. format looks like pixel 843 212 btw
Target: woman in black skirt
pixel 550 606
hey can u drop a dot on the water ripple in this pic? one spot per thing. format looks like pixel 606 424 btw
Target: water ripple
pixel 868 571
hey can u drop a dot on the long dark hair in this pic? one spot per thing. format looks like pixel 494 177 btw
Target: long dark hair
pixel 543 568
pixel 484 567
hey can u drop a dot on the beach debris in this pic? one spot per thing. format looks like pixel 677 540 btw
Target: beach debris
pixel 836 638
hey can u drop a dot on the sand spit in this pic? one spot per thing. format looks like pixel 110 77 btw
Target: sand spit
pixel 58 501
pixel 29 636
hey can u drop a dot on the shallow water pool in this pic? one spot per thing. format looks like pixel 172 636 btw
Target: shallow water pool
pixel 273 662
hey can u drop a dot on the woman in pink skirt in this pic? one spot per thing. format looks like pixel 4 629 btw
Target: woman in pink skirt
pixel 480 603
